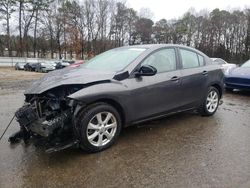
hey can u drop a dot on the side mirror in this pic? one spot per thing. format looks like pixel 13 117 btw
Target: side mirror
pixel 146 70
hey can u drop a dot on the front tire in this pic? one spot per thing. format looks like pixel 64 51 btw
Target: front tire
pixel 211 102
pixel 99 126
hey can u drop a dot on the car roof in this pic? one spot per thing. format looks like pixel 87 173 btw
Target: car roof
pixel 158 46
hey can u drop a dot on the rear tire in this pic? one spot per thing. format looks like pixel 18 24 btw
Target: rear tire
pixel 210 103
pixel 98 127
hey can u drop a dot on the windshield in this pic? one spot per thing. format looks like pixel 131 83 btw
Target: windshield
pixel 114 60
pixel 246 64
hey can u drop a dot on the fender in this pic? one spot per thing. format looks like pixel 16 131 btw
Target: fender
pixel 113 90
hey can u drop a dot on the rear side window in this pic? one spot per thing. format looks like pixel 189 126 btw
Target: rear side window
pixel 201 60
pixel 163 60
pixel 189 59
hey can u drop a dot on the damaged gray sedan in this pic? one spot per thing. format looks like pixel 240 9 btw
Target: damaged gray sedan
pixel 88 106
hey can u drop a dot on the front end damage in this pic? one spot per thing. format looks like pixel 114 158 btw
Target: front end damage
pixel 47 119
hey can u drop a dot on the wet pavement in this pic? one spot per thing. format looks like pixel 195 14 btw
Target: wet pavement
pixel 184 150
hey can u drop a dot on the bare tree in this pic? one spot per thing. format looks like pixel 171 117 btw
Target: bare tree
pixel 131 18
pixel 90 22
pixel 247 39
pixel 48 22
pixel 6 9
pixel 26 9
pixel 20 9
pixel 144 30
pixel 146 13
pixel 39 6
pixel 73 27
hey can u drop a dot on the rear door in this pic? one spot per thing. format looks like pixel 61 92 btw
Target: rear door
pixel 194 76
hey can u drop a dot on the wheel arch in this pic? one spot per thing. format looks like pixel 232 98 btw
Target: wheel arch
pixel 218 87
pixel 114 104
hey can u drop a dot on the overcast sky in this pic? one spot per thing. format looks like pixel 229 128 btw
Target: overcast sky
pixel 176 8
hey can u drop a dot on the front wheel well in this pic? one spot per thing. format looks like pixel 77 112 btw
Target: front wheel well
pixel 116 105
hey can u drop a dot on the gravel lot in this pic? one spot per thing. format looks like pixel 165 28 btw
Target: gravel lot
pixel 12 79
pixel 184 150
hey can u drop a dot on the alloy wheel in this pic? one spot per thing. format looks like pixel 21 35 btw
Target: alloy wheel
pixel 101 129
pixel 212 101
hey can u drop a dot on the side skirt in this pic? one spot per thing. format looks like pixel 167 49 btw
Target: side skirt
pixel 162 116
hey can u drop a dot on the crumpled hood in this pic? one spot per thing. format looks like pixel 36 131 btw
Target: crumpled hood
pixel 68 76
pixel 242 72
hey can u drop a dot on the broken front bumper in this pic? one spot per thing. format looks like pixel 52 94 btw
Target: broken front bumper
pixel 28 117
pixel 52 131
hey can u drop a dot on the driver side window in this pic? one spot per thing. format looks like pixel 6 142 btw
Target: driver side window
pixel 163 60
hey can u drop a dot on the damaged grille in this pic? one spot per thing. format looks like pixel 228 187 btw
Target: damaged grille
pixel 46 118
pixel 43 116
pixel 45 127
pixel 26 115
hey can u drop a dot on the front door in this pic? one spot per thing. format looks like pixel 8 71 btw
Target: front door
pixel 153 95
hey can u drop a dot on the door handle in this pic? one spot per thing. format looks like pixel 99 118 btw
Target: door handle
pixel 175 78
pixel 205 73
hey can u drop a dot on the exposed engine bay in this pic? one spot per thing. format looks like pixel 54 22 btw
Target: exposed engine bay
pixel 47 118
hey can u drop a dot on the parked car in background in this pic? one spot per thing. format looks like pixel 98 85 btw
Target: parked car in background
pixel 77 63
pixel 30 66
pixel 88 106
pixel 27 67
pixel 19 66
pixel 64 63
pixel 238 78
pixel 45 66
pixel 225 66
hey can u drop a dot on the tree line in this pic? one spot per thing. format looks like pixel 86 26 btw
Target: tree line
pixel 93 26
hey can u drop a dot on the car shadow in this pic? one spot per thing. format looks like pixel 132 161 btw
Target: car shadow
pixel 131 133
